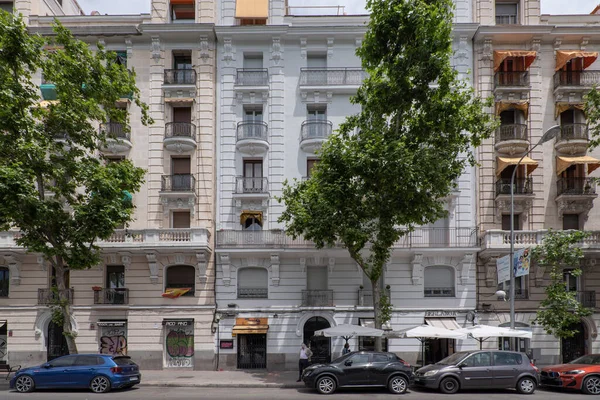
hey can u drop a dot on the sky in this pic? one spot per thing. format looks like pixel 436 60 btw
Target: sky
pixel 352 6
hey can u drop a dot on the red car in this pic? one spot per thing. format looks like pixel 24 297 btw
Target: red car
pixel 582 374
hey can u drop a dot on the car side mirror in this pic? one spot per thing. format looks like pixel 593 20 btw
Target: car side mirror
pixel 348 363
pixel 47 365
pixel 461 365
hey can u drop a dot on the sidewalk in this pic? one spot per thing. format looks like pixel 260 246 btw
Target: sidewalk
pixel 240 379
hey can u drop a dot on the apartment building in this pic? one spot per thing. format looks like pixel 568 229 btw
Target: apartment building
pixel 118 306
pixel 42 7
pixel 285 78
pixel 537 68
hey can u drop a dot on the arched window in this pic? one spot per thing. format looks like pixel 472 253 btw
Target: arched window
pixel 4 281
pixel 181 276
pixel 439 282
pixel 253 283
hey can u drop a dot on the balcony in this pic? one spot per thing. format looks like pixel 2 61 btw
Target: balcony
pixel 179 85
pixel 313 134
pixel 587 298
pixel 49 296
pixel 252 138
pixel 511 80
pixel 180 137
pixel 439 292
pixel 332 80
pixel 252 79
pixel 365 297
pixel 576 187
pixel 111 296
pixel 498 241
pixel 317 298
pixel 419 238
pixel 178 183
pixel 118 138
pixel 512 139
pixel 572 139
pixel 251 188
pixel 522 186
pixel 571 86
pixel 253 293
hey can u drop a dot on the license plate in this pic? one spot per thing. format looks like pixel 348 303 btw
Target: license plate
pixel 134 378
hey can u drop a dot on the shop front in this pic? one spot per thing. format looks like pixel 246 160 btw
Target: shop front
pixel 251 334
pixel 179 343
pixel 112 337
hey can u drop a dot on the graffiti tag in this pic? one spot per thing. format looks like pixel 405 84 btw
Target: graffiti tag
pixel 116 345
pixel 180 344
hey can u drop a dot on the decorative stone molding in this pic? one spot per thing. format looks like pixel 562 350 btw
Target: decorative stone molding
pixel 358 42
pixel 275 269
pixel 303 47
pixel 331 264
pixel 276 50
pixel 491 274
pixel 178 203
pixel 14 267
pixel 42 263
pixel 557 43
pixel 179 258
pixel 260 205
pixel 584 42
pixel 129 48
pixel 228 51
pixel 303 265
pixel 202 263
pixel 417 269
pixel 467 261
pixel 536 45
pixel 487 52
pixel 330 47
pixel 575 206
pixel 153 265
pixel 126 261
pixel 156 48
pixel 521 206
pixel 462 53
pixel 204 49
pixel 225 268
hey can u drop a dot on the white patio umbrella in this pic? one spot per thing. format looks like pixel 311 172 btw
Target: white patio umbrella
pixel 484 332
pixel 424 332
pixel 347 331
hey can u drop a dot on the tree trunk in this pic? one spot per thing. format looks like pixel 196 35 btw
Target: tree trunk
pixel 64 305
pixel 376 310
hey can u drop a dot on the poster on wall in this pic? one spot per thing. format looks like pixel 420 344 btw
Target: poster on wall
pixel 179 342
pixel 522 262
pixel 113 337
pixel 503 266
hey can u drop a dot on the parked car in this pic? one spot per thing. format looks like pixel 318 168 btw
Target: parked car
pixel 480 370
pixel 583 374
pixel 98 372
pixel 360 369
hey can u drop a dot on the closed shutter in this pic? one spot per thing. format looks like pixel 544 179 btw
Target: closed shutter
pixel 316 278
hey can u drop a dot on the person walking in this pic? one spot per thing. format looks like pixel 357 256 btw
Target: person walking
pixel 305 354
pixel 346 349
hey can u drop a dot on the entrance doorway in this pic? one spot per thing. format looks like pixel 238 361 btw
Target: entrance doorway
pixel 319 345
pixel 57 343
pixel 438 349
pixel 574 347
pixel 252 352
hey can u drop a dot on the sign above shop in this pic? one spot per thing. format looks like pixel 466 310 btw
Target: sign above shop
pixel 440 313
pixel 178 322
pixel 111 324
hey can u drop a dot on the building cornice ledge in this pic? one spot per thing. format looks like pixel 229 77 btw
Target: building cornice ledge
pixel 176 28
pixel 515 30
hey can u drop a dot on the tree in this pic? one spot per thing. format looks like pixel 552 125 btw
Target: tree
pixel 560 310
pixel 61 194
pixel 390 167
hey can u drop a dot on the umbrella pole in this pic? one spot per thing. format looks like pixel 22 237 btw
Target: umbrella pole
pixel 422 352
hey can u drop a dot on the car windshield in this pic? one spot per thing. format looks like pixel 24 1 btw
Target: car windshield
pixel 590 360
pixel 453 359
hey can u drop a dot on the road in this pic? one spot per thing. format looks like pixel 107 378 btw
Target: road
pixel 179 393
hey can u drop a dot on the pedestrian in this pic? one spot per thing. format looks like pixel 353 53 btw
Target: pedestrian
pixel 305 354
pixel 346 349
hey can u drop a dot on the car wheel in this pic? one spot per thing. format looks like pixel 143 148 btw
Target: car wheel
pixel 398 385
pixel 526 385
pixel 591 385
pixel 24 384
pixel 100 384
pixel 449 386
pixel 326 385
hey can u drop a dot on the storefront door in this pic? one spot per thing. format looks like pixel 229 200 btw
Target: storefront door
pixel 252 351
pixel 57 343
pixel 574 347
pixel 179 343
pixel 438 349
pixel 319 345
pixel 113 337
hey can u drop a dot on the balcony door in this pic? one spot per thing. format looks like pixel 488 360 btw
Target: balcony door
pixel 510 69
pixel 115 284
pixel 56 343
pixel 182 60
pixel 253 61
pixel 317 64
pixel 182 118
pixel 253 176
pixel 572 72
pixel 181 173
pixel 571 281
pixel 316 121
pixel 253 118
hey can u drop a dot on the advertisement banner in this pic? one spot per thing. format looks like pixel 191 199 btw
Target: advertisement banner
pixel 503 267
pixel 522 262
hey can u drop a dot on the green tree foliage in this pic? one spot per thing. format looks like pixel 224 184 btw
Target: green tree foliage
pixel 61 194
pixel 390 167
pixel 560 310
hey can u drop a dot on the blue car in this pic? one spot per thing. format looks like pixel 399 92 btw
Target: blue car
pixel 98 372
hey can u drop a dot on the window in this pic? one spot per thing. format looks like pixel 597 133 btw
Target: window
pixel 310 164
pixel 182 114
pixel 507 13
pixel 571 281
pixel 82 361
pixel 7 6
pixel 509 117
pixel 180 219
pixel 251 220
pixel 114 159
pixel 182 11
pixel 439 282
pixel 478 360
pixel 316 278
pixel 358 359
pixel 181 173
pixel 4 281
pixel 115 276
pixel 253 176
pixel 182 60
pixel 316 61
pixel 507 359
pixel 381 358
pixel 316 122
pixel 253 61
pixel 121 58
pixel 66 361
pixel 570 221
pixel 506 222
pixel 252 12
pixel 521 285
pixel 181 276
pixel 253 283
pixel 522 343
pixel 253 114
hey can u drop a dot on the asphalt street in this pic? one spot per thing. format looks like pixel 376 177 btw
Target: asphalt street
pixel 149 393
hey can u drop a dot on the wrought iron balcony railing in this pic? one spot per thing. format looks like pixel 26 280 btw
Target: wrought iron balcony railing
pixel 521 186
pixel 587 298
pixel 252 77
pixel 315 129
pixel 511 78
pixel 111 296
pixel 251 185
pixel 576 78
pixel 573 132
pixel 178 183
pixel 575 186
pixel 511 132
pixel 180 129
pixel 253 293
pixel 331 76
pixel 180 77
pixel 115 130
pixel 252 130
pixel 48 296
pixel 317 298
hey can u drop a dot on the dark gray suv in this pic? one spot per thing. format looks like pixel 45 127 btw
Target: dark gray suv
pixel 480 370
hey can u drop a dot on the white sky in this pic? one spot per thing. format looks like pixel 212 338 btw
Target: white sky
pixel 352 6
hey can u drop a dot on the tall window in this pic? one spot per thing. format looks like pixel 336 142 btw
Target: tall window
pixel 439 282
pixel 316 278
pixel 182 60
pixel 181 173
pixel 253 283
pixel 571 281
pixel 521 286
pixel 507 12
pixel 310 164
pixel 571 221
pixel 253 176
pixel 182 11
pixel 253 60
pixel 4 281
pixel 506 222
pixel 181 276
pixel 316 120
pixel 180 219
pixel 7 6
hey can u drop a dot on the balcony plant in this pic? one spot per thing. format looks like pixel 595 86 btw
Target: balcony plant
pixel 62 222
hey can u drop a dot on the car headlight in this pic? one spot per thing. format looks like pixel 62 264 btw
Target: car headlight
pixel 431 373
pixel 574 372
pixel 308 372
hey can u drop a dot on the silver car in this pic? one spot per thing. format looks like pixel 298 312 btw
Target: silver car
pixel 480 370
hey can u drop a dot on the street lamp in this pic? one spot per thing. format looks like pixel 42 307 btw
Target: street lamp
pixel 548 135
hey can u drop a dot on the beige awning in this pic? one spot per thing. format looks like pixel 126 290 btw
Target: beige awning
pixel 522 105
pixel 252 9
pixel 561 107
pixel 503 162
pixel 562 163
pixel 446 323
pixel 563 57
pixel 250 214
pixel 501 55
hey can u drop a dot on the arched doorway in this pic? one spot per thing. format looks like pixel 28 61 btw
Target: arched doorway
pixel 320 346
pixel 57 343
pixel 574 346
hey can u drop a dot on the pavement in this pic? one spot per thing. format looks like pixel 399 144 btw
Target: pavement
pixel 216 379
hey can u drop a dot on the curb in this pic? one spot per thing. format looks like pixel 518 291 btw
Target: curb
pixel 224 385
